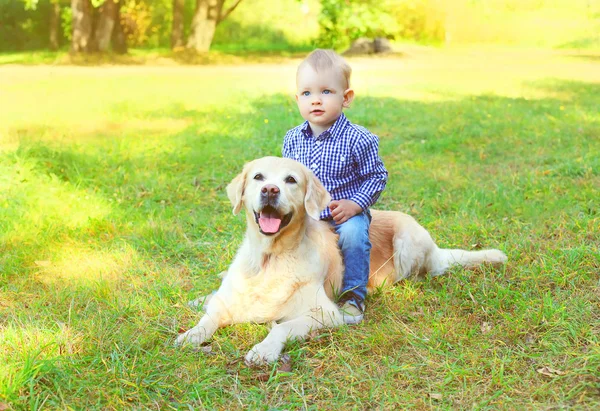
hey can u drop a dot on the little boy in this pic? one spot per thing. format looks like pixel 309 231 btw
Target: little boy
pixel 345 158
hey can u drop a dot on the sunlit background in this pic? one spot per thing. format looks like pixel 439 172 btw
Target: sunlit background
pixel 292 25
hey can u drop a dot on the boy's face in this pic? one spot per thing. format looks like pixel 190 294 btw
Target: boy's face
pixel 321 97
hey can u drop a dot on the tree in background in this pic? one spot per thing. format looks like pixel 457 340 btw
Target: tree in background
pixel 54 25
pixel 82 26
pixel 268 25
pixel 178 24
pixel 208 14
pixel 118 38
pixel 108 17
pixel 95 25
pixel 90 25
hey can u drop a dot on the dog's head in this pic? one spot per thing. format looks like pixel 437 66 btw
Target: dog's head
pixel 277 191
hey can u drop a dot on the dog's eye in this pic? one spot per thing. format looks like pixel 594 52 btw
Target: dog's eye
pixel 259 177
pixel 290 180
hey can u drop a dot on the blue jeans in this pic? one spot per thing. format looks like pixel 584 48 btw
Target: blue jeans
pixel 356 250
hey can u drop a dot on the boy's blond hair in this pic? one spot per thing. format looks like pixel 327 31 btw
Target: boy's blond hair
pixel 321 59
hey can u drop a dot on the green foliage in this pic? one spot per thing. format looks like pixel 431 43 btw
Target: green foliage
pixel 31 4
pixel 292 26
pixel 22 28
pixel 530 22
pixel 263 25
pixel 148 24
pixel 136 18
pixel 158 31
pixel 66 22
pixel 25 25
pixel 342 21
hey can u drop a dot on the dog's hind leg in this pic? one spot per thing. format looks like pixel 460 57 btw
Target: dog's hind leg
pixel 410 252
pixel 403 257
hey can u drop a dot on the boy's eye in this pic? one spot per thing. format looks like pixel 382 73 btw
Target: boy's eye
pixel 306 93
pixel 326 91
pixel 290 180
pixel 259 177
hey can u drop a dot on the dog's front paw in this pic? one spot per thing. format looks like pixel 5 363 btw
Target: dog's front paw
pixel 263 353
pixel 194 336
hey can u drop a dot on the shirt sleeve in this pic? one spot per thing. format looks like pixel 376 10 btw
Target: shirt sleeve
pixel 286 150
pixel 371 169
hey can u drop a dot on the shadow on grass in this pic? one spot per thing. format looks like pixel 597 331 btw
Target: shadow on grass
pixel 158 57
pixel 172 184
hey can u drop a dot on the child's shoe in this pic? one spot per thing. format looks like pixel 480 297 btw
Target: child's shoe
pixel 352 309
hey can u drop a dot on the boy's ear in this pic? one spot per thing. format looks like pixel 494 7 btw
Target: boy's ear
pixel 348 97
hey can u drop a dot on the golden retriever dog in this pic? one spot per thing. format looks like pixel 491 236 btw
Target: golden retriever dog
pixel 289 267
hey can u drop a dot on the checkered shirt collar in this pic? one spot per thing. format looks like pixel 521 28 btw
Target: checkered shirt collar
pixel 335 128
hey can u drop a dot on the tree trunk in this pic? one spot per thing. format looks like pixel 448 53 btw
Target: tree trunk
pixel 204 25
pixel 54 25
pixel 119 40
pixel 82 25
pixel 177 30
pixel 106 24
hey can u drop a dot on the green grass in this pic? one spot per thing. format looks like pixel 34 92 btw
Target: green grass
pixel 113 215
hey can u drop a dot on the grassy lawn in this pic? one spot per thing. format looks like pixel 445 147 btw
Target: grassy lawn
pixel 113 215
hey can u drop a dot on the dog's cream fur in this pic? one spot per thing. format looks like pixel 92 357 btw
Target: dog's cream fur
pixel 290 277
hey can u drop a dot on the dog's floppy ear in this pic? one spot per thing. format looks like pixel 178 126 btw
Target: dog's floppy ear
pixel 316 198
pixel 235 190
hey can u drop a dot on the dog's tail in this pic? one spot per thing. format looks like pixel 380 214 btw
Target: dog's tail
pixel 443 258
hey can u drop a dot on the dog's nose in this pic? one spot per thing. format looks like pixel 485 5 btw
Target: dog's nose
pixel 270 191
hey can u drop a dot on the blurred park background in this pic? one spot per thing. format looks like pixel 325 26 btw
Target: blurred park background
pixel 83 26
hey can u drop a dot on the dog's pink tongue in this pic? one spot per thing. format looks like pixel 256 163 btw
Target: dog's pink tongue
pixel 269 225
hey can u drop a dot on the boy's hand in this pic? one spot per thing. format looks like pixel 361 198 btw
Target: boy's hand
pixel 343 210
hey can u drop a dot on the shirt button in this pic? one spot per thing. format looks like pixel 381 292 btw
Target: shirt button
pixel 318 141
pixel 313 166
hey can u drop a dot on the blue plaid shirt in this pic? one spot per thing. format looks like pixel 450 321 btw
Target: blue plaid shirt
pixel 345 158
